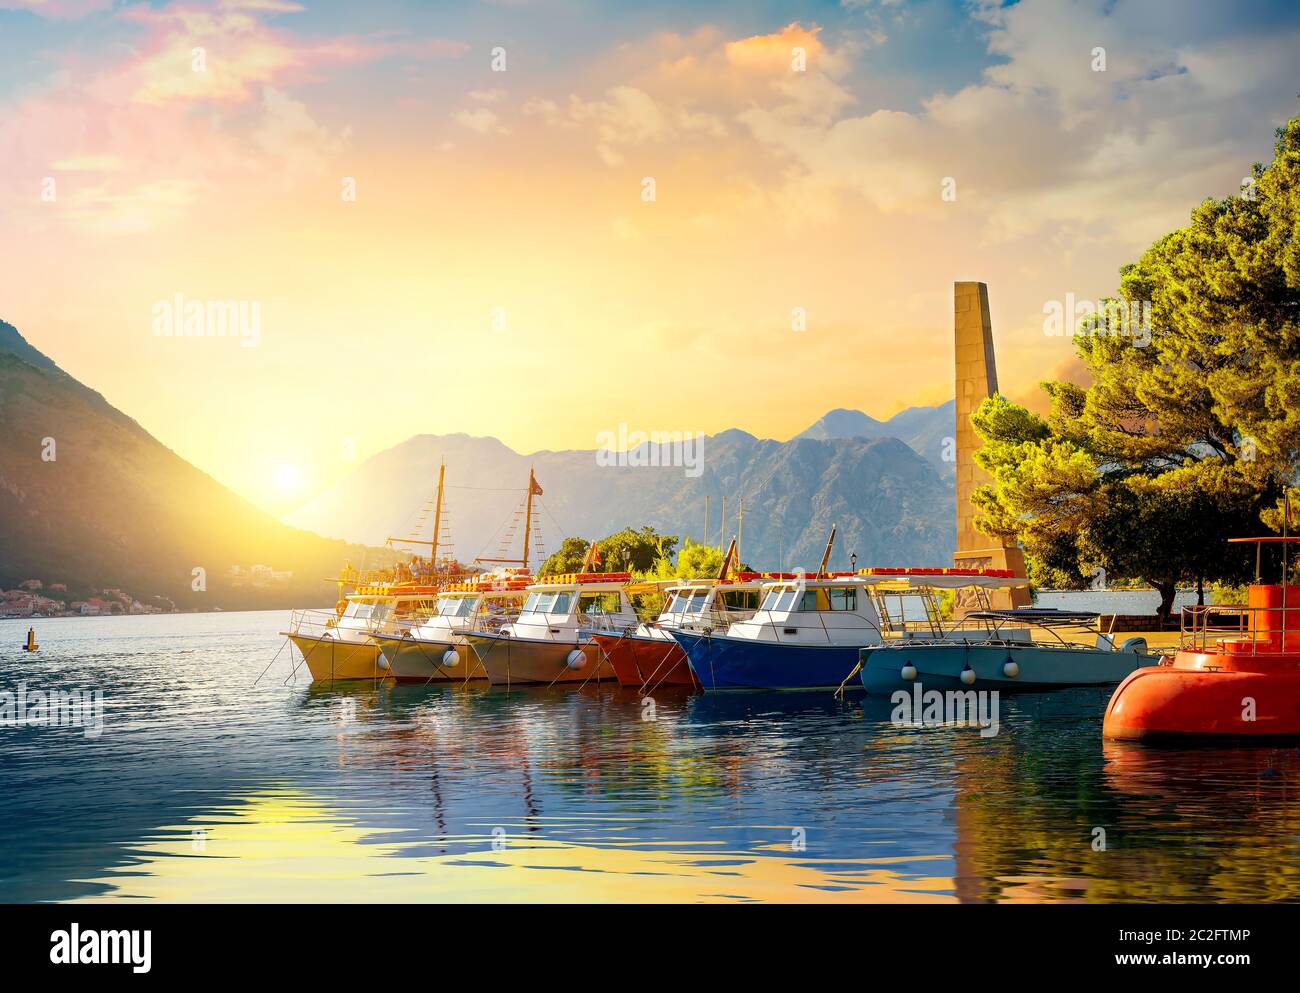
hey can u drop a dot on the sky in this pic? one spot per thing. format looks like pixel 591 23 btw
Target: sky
pixel 542 220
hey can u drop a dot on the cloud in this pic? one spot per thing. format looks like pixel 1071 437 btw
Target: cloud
pixel 1043 139
pixel 200 97
pixel 224 52
pixel 58 10
pixel 480 119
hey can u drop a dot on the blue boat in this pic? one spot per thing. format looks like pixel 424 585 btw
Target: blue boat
pixel 807 633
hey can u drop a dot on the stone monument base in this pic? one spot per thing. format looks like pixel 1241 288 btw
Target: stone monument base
pixel 996 557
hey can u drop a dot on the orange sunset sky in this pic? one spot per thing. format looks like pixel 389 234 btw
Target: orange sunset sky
pixel 520 193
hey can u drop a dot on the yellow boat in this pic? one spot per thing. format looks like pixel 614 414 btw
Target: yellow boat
pixel 339 644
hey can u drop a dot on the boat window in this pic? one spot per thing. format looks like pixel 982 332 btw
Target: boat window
pixel 548 603
pixel 599 603
pixel 358 610
pixel 680 604
pixel 788 600
pixel 843 598
pixel 740 599
pixel 772 599
pixel 812 600
pixel 689 602
pixel 455 606
pixel 379 611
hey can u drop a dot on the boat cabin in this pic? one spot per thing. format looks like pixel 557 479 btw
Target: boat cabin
pixel 706 604
pixel 568 606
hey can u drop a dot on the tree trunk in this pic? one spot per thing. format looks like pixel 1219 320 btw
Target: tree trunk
pixel 1167 592
pixel 1200 591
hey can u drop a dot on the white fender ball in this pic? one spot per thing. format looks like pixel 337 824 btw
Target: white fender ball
pixel 968 676
pixel 1011 669
pixel 450 658
pixel 908 672
pixel 576 660
pixel 382 662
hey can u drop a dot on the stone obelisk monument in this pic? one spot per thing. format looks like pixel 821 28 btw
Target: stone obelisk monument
pixel 977 378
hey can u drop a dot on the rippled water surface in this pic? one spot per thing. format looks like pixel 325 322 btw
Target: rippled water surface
pixel 208 784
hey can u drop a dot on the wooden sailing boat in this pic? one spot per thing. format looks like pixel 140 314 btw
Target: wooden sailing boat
pixel 339 644
pixel 436 649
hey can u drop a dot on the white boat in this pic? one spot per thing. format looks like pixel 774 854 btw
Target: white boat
pixel 551 639
pixel 435 650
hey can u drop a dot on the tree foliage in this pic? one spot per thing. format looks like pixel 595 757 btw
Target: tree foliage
pixel 626 550
pixel 1186 436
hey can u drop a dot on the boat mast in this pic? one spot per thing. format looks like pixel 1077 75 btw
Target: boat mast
pixel 740 530
pixel 726 560
pixel 528 513
pixel 826 555
pixel 437 517
pixel 533 490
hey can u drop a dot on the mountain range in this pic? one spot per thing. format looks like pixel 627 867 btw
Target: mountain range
pixel 90 499
pixel 892 501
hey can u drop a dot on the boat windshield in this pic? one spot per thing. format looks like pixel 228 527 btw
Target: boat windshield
pixel 455 606
pixel 783 598
pixel 786 599
pixel 688 602
pixel 548 603
pixel 363 610
pixel 600 603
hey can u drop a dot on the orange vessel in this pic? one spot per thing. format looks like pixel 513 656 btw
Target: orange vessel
pixel 639 661
pixel 1238 678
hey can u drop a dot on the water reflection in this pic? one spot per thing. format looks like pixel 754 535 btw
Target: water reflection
pixel 466 792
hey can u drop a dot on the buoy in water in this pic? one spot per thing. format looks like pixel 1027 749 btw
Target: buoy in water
pixel 31 645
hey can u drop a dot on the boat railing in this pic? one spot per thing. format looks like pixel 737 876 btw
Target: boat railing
pixel 1240 628
pixel 314 623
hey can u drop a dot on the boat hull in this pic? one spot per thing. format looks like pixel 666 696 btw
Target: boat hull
pixel 723 663
pixel 639 661
pixel 1037 667
pixel 420 660
pixel 508 661
pixel 1177 704
pixel 332 659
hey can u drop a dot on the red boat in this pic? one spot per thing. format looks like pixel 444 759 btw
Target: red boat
pixel 1236 676
pixel 642 660
pixel 647 657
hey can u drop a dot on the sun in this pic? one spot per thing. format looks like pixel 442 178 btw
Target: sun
pixel 288 478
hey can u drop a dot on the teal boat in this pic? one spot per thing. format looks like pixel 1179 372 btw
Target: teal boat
pixel 1008 657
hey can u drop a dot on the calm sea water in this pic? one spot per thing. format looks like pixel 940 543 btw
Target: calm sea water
pixel 207 784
